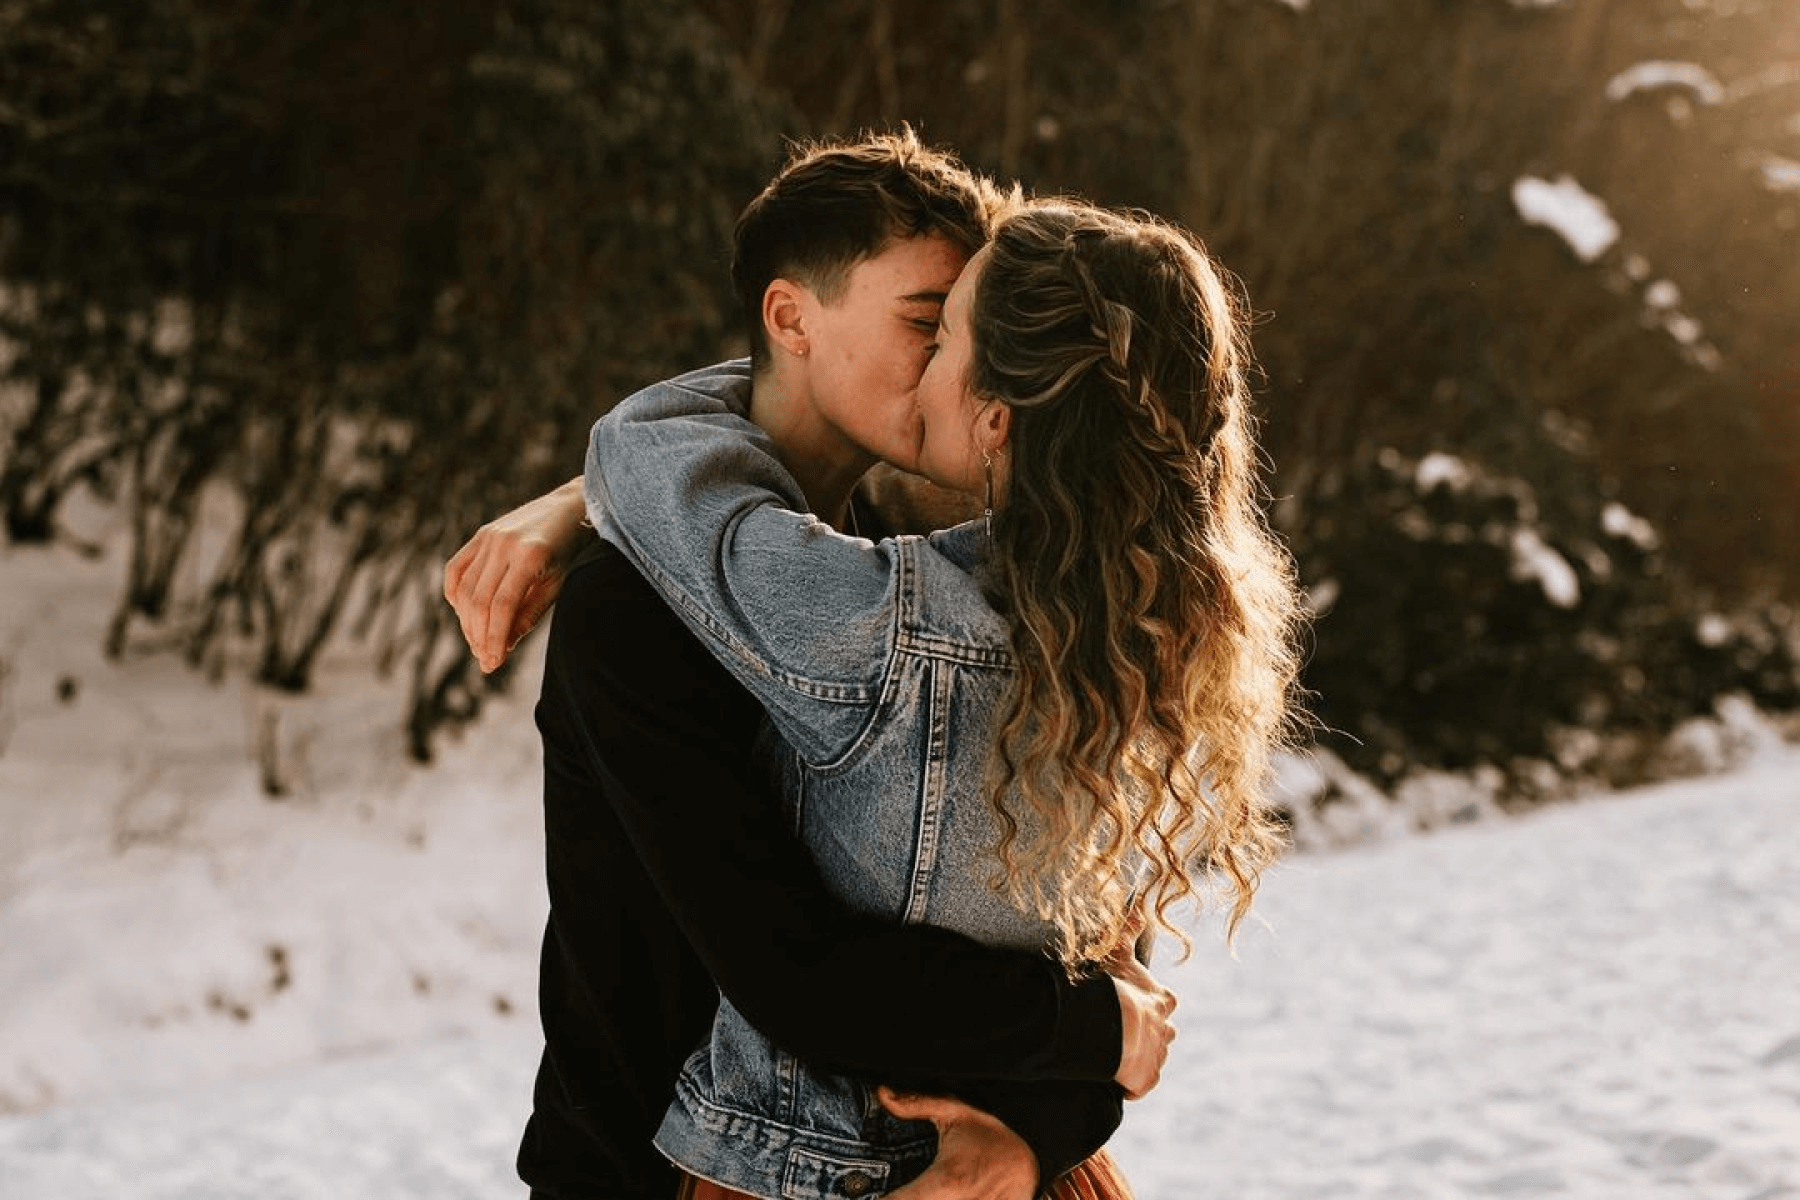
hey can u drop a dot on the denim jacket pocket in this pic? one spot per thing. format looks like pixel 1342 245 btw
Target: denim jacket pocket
pixel 811 1175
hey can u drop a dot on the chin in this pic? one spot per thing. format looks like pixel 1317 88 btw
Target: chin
pixel 913 504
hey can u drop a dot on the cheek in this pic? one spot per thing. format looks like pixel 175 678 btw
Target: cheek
pixel 931 396
pixel 909 367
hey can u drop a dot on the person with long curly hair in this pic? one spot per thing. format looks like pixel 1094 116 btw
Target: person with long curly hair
pixel 1045 727
pixel 1151 611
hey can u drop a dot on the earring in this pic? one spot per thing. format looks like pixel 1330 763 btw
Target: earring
pixel 987 506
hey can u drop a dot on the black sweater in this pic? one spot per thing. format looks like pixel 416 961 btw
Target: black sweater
pixel 671 868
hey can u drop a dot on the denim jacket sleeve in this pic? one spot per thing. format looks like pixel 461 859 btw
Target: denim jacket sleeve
pixel 695 496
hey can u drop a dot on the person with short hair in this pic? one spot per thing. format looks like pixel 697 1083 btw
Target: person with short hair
pixel 671 861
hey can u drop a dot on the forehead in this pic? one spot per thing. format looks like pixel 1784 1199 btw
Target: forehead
pixel 918 268
pixel 964 292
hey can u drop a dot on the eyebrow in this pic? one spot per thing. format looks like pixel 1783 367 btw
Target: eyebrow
pixel 926 297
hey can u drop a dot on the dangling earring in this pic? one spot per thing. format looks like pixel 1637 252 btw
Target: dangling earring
pixel 987 504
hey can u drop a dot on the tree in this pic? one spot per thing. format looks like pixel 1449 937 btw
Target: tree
pixel 367 273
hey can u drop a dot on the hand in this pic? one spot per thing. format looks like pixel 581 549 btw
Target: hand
pixel 1146 1008
pixel 978 1157
pixel 506 578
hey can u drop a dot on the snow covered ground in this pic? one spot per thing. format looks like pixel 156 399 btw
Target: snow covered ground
pixel 207 993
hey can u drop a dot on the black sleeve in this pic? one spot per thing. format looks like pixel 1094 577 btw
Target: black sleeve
pixel 668 732
pixel 1061 1120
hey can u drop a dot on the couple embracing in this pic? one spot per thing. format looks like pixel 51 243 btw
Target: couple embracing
pixel 852 832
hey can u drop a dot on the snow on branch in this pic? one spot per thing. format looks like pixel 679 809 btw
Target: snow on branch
pixel 1649 76
pixel 1781 174
pixel 1578 216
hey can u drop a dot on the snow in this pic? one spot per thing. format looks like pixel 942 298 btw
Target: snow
pixel 1442 470
pixel 167 925
pixel 1712 629
pixel 1321 596
pixel 1662 294
pixel 1700 83
pixel 1569 210
pixel 1683 328
pixel 1620 522
pixel 1535 560
pixel 437 1119
pixel 1662 300
pixel 1597 1000
pixel 1781 174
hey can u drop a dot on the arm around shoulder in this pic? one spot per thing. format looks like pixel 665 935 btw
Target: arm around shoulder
pixel 668 732
pixel 697 498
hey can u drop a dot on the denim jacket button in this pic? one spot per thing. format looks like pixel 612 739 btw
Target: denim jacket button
pixel 856 1183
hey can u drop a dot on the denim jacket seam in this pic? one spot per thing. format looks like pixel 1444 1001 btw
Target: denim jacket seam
pixel 930 801
pixel 914 633
pixel 953 650
pixel 697 1101
pixel 787 1103
pixel 830 692
pixel 888 683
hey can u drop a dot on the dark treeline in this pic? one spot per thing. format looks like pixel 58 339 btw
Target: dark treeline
pixel 347 282
pixel 371 268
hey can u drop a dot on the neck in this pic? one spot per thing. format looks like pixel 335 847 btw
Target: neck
pixel 816 454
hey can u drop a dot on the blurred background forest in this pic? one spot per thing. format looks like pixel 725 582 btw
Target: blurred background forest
pixel 311 291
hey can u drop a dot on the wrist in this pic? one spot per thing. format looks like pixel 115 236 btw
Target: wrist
pixel 1128 1026
pixel 571 500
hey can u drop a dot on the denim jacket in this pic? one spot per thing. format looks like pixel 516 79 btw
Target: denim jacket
pixel 882 666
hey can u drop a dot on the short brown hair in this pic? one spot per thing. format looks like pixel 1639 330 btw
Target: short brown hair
pixel 837 203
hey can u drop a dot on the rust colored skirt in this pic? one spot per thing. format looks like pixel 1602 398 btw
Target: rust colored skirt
pixel 1098 1178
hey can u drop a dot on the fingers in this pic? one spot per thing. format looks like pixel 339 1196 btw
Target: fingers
pixel 1128 968
pixel 457 568
pixel 913 1106
pixel 1164 1038
pixel 1149 1078
pixel 525 619
pixel 507 575
pixel 1146 1009
pixel 459 574
pixel 538 599
pixel 503 611
pixel 1135 924
pixel 491 570
pixel 978 1157
pixel 503 581
pixel 485 582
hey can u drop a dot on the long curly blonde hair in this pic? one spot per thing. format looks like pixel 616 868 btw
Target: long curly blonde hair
pixel 1154 615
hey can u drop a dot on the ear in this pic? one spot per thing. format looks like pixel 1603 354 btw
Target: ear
pixel 993 425
pixel 784 309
